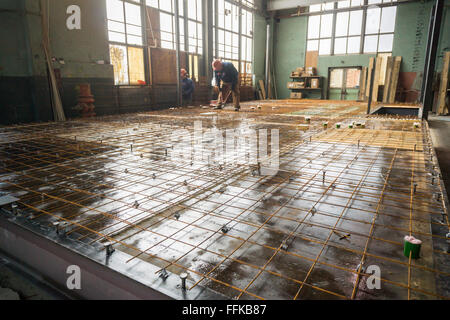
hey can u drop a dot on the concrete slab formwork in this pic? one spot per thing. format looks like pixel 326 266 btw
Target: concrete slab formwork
pixel 341 200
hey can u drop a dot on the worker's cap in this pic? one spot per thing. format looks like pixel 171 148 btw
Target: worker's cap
pixel 217 65
pixel 183 72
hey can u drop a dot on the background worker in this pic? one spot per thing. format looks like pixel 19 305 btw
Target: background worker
pixel 187 88
pixel 227 78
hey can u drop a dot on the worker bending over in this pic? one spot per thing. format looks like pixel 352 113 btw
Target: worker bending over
pixel 227 78
pixel 187 88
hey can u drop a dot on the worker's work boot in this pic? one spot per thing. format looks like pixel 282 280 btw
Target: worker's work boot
pixel 237 108
pixel 218 107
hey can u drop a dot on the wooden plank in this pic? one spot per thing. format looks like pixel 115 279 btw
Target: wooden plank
pixel 153 27
pixel 394 79
pixel 369 76
pixel 362 84
pixel 260 95
pixel 263 89
pixel 163 65
pixel 311 58
pixel 388 78
pixel 442 107
pixel 376 80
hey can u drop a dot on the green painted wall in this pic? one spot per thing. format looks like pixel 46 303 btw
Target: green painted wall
pixel 411 33
pixel 80 49
pixel 410 41
pixel 14 57
pixel 289 50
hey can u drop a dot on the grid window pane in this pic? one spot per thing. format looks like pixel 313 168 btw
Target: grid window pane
pixel 136 63
pixel 116 26
pixel 166 5
pixel 119 60
pixel 385 44
pixel 342 24
pixel 312 45
pixel 355 26
pixel 373 20
pixel 353 44
pixel 348 25
pixel 340 45
pixel 388 19
pixel 313 27
pixel 326 25
pixel 114 10
pixel 370 44
pixel 325 46
pixel 116 37
pixel 133 13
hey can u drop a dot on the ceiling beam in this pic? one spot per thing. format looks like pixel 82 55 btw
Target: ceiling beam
pixel 274 5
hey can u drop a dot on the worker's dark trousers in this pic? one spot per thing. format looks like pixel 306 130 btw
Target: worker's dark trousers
pixel 236 94
pixel 186 100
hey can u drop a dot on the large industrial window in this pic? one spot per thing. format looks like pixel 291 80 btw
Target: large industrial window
pixel 167 22
pixel 191 33
pixel 126 41
pixel 380 24
pixel 368 29
pixel 233 36
pixel 195 33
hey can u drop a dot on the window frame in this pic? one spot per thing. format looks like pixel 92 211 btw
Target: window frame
pixel 128 45
pixel 364 7
pixel 239 61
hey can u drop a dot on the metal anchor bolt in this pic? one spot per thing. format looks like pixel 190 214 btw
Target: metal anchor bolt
pixel 225 229
pixel 136 204
pixel 415 187
pixel 177 216
pixel 14 208
pixel 56 225
pixel 164 274
pixel 284 245
pixel 154 176
pixel 183 277
pixel 363 269
pixel 324 173
pixel 109 248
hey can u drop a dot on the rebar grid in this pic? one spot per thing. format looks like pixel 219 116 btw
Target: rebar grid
pixel 82 178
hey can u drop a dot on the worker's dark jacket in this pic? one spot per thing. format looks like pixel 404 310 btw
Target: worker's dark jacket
pixel 227 74
pixel 187 88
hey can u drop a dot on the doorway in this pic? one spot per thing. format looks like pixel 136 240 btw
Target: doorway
pixel 343 83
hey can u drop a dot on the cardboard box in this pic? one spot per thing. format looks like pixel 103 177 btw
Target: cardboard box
pixel 295 74
pixel 300 69
pixel 296 95
pixel 311 71
pixel 295 85
pixel 314 83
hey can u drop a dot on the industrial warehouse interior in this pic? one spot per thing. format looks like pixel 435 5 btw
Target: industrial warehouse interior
pixel 228 150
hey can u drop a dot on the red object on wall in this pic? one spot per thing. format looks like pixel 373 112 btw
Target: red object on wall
pixel 86 101
pixel 406 82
